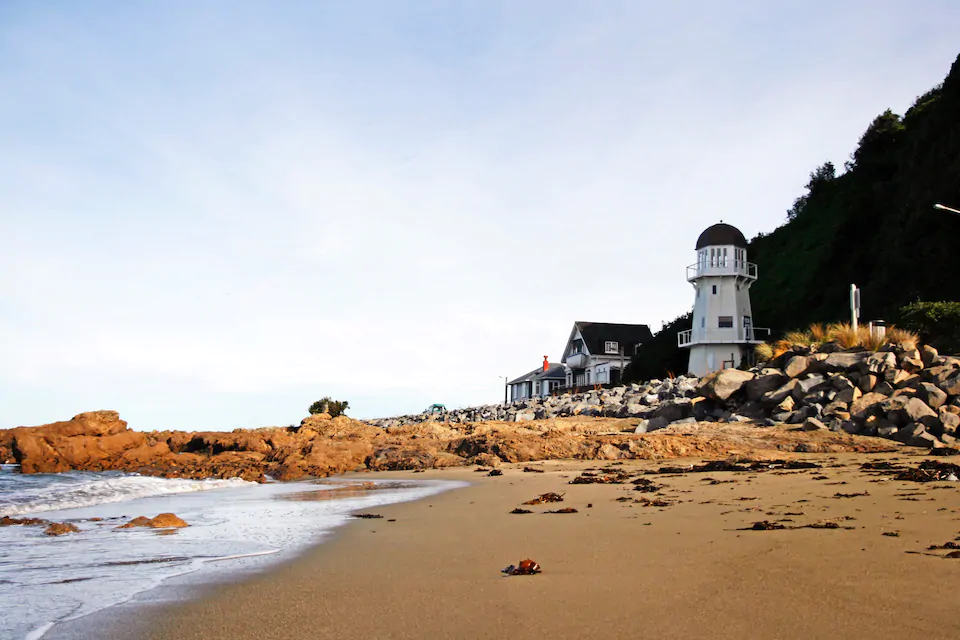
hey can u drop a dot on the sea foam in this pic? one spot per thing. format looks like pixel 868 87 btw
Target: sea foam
pixel 74 492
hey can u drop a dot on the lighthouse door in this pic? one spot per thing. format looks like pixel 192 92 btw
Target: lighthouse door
pixel 747 328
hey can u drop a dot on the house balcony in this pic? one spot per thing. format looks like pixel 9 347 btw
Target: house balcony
pixel 738 268
pixel 749 335
pixel 577 360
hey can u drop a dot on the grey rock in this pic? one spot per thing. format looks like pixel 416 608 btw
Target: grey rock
pixel 812 424
pixel 654 424
pixel 887 430
pixel 866 406
pixel 797 366
pixel 761 385
pixel 950 422
pixel 932 395
pixel 674 410
pixel 843 361
pixel 928 355
pixel 722 384
pixel 777 396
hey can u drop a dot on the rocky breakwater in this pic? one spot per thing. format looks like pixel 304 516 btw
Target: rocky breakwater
pixel 900 392
pixel 671 397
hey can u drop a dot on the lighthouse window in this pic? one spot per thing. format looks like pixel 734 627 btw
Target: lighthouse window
pixel 725 322
pixel 714 289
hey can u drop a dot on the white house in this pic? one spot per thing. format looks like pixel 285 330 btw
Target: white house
pixel 722 334
pixel 597 352
pixel 540 382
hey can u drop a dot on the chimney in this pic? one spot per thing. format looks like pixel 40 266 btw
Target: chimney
pixel 546 363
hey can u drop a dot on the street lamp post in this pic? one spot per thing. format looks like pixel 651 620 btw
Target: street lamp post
pixel 945 208
pixel 505 378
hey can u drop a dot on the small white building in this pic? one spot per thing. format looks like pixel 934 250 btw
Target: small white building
pixel 598 352
pixel 723 334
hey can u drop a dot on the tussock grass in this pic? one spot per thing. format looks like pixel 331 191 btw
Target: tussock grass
pixel 764 352
pixel 896 335
pixel 841 333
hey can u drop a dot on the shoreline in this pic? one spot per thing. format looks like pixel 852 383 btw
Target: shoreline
pixel 616 569
pixel 339 497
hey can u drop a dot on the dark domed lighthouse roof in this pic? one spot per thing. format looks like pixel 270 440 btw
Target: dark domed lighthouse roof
pixel 721 234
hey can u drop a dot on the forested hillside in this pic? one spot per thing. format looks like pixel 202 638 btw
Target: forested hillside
pixel 871 223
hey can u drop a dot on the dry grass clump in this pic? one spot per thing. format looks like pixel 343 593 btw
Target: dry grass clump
pixel 764 352
pixel 844 334
pixel 841 333
pixel 895 335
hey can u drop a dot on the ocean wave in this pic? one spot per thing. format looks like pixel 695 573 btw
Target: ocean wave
pixel 70 493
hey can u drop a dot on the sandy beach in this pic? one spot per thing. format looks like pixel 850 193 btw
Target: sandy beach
pixel 618 567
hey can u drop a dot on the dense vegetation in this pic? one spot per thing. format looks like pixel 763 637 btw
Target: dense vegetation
pixel 873 225
pixel 326 405
pixel 937 323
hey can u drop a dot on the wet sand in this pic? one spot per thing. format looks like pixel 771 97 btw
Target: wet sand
pixel 618 568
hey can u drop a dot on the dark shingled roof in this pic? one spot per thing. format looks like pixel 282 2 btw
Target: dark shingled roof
pixel 555 372
pixel 595 334
pixel 721 234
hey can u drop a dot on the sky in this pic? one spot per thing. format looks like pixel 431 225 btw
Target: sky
pixel 214 213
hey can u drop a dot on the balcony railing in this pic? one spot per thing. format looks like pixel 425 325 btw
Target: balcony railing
pixel 722 336
pixel 739 268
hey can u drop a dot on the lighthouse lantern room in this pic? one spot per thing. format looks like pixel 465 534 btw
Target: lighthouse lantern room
pixel 722 335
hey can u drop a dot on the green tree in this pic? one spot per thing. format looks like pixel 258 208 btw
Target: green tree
pixel 326 405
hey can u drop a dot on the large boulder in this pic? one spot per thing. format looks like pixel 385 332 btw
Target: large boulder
pixel 843 362
pixel 797 366
pixel 866 406
pixel 778 395
pixel 932 395
pixel 720 385
pixel 764 383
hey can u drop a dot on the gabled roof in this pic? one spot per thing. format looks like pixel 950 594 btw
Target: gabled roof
pixel 595 334
pixel 555 372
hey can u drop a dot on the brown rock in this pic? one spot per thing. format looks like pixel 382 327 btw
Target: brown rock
pixel 7 521
pixel 167 521
pixel 139 521
pixel 60 528
pixel 162 521
pixel 928 355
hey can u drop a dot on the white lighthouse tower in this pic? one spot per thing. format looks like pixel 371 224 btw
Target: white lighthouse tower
pixel 723 333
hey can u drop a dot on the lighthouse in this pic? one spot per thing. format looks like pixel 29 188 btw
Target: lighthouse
pixel 722 335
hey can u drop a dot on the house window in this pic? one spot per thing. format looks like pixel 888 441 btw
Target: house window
pixel 610 346
pixel 725 322
pixel 577 347
pixel 714 289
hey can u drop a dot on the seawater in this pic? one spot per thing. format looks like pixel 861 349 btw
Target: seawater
pixel 49 580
